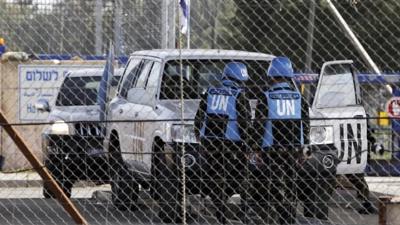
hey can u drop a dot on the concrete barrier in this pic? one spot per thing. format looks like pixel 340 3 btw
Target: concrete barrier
pixel 389 210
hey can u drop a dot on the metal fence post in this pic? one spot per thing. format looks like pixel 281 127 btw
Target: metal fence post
pixel 118 27
pixel 98 12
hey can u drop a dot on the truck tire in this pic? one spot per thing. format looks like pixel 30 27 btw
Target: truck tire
pixel 168 186
pixel 156 166
pixel 317 182
pixel 124 188
pixel 62 180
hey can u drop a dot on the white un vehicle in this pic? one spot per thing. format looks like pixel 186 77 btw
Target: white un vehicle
pixel 144 136
pixel 72 145
pixel 338 135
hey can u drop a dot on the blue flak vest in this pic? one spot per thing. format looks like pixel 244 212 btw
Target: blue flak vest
pixel 221 107
pixel 283 103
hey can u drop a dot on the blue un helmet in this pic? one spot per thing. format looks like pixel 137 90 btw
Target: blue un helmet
pixel 280 67
pixel 236 72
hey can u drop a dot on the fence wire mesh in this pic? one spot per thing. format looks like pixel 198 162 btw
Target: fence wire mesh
pixel 201 135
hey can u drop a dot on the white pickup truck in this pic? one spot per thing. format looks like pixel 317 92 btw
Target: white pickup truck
pixel 72 145
pixel 146 134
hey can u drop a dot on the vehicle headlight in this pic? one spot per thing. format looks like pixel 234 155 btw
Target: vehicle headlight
pixel 60 128
pixel 321 135
pixel 183 133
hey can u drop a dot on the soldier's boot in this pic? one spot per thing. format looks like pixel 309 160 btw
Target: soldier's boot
pixel 286 209
pixel 287 214
pixel 220 200
pixel 221 209
pixel 367 208
pixel 309 209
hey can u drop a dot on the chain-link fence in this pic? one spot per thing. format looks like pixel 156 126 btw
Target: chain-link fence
pixel 200 135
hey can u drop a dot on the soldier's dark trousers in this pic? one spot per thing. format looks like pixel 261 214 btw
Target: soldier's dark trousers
pixel 273 188
pixel 223 178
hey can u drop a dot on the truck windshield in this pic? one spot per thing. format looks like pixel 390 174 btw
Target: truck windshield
pixel 76 91
pixel 200 74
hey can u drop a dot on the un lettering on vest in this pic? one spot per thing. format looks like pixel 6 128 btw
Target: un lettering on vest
pixel 286 107
pixel 219 102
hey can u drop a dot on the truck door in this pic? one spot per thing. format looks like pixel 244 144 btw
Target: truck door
pixel 337 106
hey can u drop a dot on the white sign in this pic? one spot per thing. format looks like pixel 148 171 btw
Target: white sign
pixel 41 82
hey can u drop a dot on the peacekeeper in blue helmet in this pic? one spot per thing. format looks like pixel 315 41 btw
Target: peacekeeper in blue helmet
pixel 278 139
pixel 222 124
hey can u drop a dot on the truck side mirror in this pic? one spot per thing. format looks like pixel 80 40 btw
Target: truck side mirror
pixel 42 105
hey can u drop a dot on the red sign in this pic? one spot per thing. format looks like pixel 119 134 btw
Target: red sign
pixel 393 107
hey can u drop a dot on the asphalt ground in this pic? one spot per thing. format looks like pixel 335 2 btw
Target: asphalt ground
pixel 97 209
pixel 21 202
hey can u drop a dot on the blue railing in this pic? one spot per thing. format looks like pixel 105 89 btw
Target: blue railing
pixel 363 78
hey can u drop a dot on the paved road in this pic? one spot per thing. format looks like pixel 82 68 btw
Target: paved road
pixel 97 209
pixel 22 203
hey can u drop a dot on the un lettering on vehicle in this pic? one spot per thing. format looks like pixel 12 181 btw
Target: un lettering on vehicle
pixel 138 140
pixel 350 142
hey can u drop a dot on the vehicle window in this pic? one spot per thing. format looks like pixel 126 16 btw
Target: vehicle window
pixel 336 87
pixel 129 77
pixel 77 91
pixel 144 74
pixel 170 88
pixel 198 75
pixel 152 80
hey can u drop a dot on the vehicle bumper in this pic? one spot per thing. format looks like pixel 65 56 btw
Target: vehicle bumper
pixel 323 160
pixel 205 165
pixel 81 158
pixel 200 160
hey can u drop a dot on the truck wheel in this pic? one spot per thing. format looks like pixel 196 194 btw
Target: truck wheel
pixel 168 186
pixel 316 186
pixel 156 165
pixel 124 188
pixel 62 180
